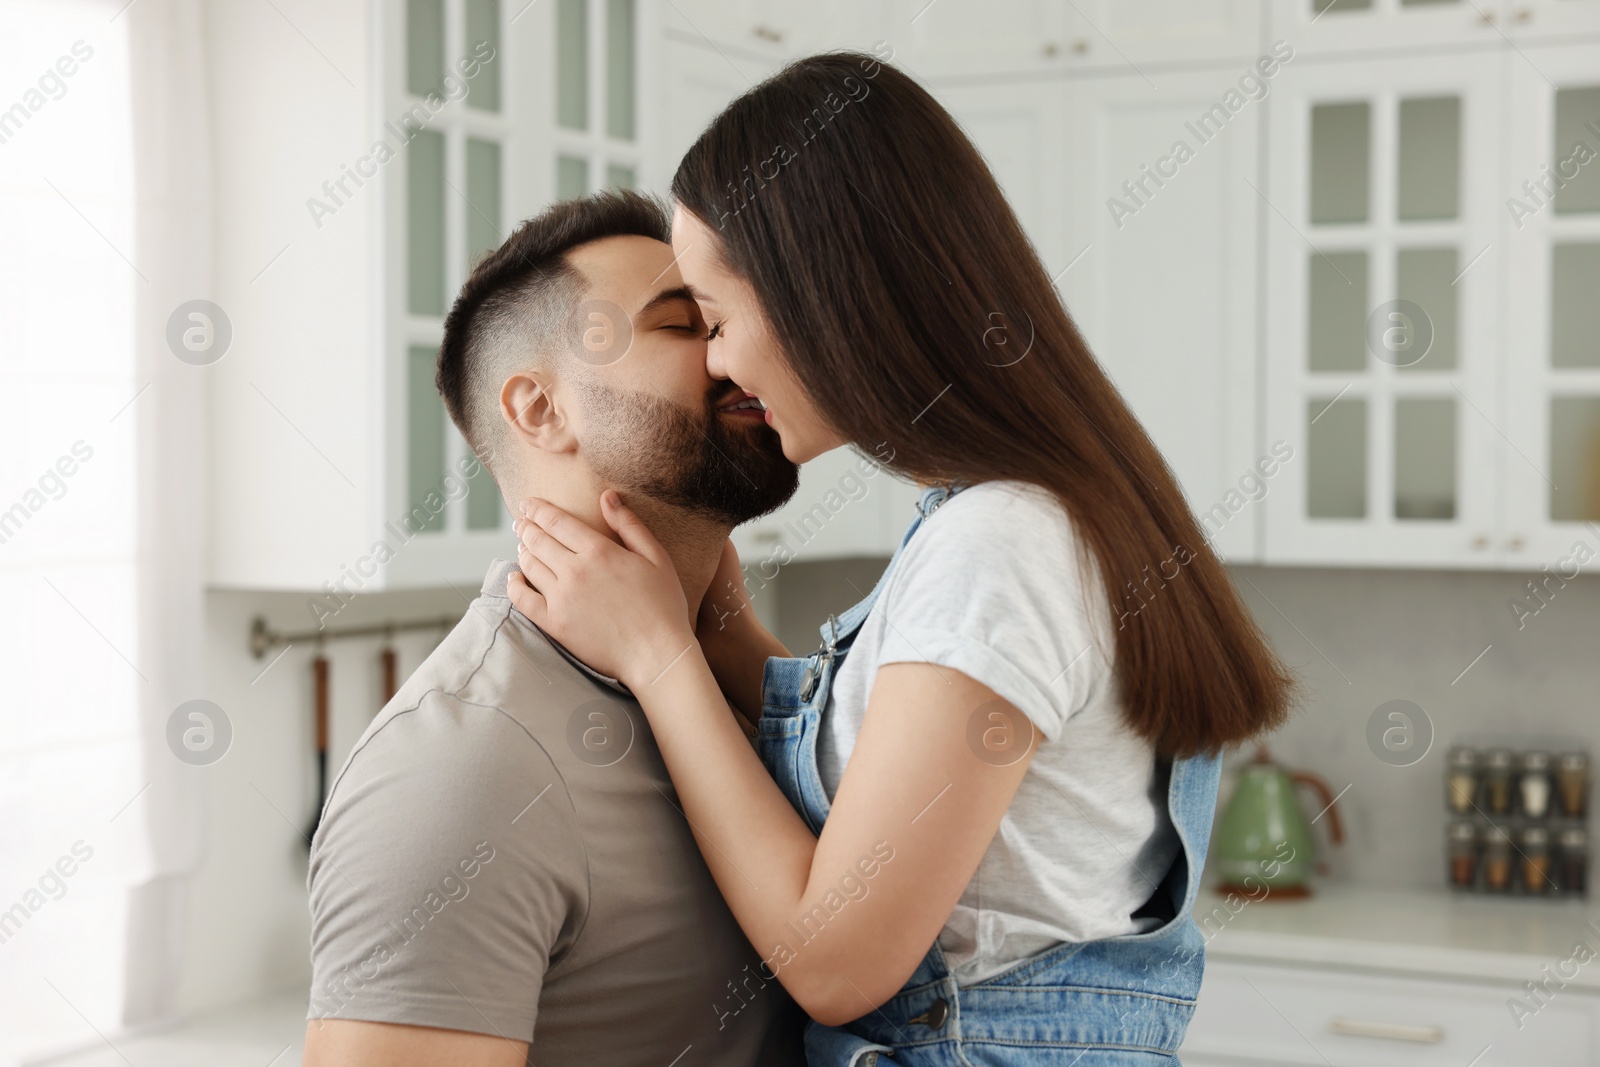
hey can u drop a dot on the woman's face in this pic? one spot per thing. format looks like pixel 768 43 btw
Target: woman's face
pixel 741 345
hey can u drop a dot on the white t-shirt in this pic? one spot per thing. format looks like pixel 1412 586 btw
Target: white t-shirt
pixel 990 586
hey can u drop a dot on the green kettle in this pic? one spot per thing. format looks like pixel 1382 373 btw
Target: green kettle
pixel 1263 842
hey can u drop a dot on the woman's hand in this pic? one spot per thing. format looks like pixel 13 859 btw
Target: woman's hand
pixel 619 608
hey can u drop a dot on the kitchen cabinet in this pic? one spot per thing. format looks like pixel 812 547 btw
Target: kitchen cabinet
pixel 770 32
pixel 1551 238
pixel 1370 977
pixel 1253 1013
pixel 1160 261
pixel 1147 223
pixel 846 506
pixel 1354 28
pixel 1546 21
pixel 1430 338
pixel 1382 311
pixel 437 125
pixel 1007 38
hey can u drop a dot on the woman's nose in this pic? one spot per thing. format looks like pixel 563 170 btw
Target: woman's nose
pixel 714 363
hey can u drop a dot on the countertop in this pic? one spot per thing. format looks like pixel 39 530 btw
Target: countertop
pixel 1430 934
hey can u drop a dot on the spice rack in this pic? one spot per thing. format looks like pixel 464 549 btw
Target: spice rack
pixel 1518 819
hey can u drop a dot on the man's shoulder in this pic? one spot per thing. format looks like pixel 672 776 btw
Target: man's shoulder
pixel 494 678
pixel 486 713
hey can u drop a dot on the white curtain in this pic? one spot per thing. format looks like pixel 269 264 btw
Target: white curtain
pixel 104 231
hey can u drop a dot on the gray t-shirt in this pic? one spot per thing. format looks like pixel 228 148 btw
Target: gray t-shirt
pixel 503 853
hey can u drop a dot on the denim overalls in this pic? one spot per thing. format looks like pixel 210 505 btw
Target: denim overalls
pixel 1121 1001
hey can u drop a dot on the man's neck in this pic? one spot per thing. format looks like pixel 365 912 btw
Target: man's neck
pixel 693 542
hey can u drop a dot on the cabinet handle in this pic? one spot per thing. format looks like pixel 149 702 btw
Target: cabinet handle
pixel 1480 542
pixel 1516 543
pixel 1524 14
pixel 1423 1035
pixel 767 33
pixel 765 537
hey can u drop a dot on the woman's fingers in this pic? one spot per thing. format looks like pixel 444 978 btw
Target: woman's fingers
pixel 527 600
pixel 535 570
pixel 562 528
pixel 535 540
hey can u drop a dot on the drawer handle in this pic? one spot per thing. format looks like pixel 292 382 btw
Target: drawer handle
pixel 1422 1035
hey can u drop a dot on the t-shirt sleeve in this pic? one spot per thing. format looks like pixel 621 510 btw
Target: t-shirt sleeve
pixel 446 875
pixel 991 586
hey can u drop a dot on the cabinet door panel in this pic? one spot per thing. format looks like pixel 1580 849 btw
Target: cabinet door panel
pixel 1160 274
pixel 1552 367
pixel 959 37
pixel 1019 130
pixel 1550 21
pixel 1381 212
pixel 841 509
pixel 1363 27
pixel 1251 1013
pixel 1137 32
pixel 697 83
pixel 1007 37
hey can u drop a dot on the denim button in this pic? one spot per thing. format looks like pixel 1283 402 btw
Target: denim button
pixel 938 1012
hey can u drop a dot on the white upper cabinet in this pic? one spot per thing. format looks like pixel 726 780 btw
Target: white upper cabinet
pixel 1012 37
pixel 1134 33
pixel 351 206
pixel 1382 300
pixel 1532 21
pixel 1138 201
pixel 846 506
pixel 1158 267
pixel 1550 216
pixel 774 31
pixel 1363 27
pixel 1020 133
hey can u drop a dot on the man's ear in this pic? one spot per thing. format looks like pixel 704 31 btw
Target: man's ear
pixel 536 412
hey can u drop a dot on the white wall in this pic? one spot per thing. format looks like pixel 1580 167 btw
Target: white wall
pixel 249 927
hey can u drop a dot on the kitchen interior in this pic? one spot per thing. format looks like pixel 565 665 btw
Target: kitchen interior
pixel 1342 257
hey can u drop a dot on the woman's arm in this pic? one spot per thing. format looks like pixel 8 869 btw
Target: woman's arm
pixel 735 644
pixel 842 919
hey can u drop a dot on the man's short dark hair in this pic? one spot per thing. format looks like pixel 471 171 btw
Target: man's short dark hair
pixel 514 310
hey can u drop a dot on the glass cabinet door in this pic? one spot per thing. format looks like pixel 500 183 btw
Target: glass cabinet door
pixel 492 110
pixel 1381 294
pixel 449 124
pixel 1552 232
pixel 596 131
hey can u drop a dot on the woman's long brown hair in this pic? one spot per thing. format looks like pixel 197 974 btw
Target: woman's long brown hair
pixel 910 304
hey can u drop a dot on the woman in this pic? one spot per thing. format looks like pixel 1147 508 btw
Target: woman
pixel 994 782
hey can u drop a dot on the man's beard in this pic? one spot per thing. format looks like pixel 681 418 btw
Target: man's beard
pixel 693 462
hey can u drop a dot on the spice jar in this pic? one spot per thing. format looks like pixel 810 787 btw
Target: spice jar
pixel 1574 860
pixel 1572 783
pixel 1462 779
pixel 1533 785
pixel 1497 776
pixel 1497 860
pixel 1463 854
pixel 1535 856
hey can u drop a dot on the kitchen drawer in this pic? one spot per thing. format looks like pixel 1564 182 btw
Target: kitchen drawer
pixel 1262 1014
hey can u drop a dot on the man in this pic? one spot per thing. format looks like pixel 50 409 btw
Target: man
pixel 502 874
